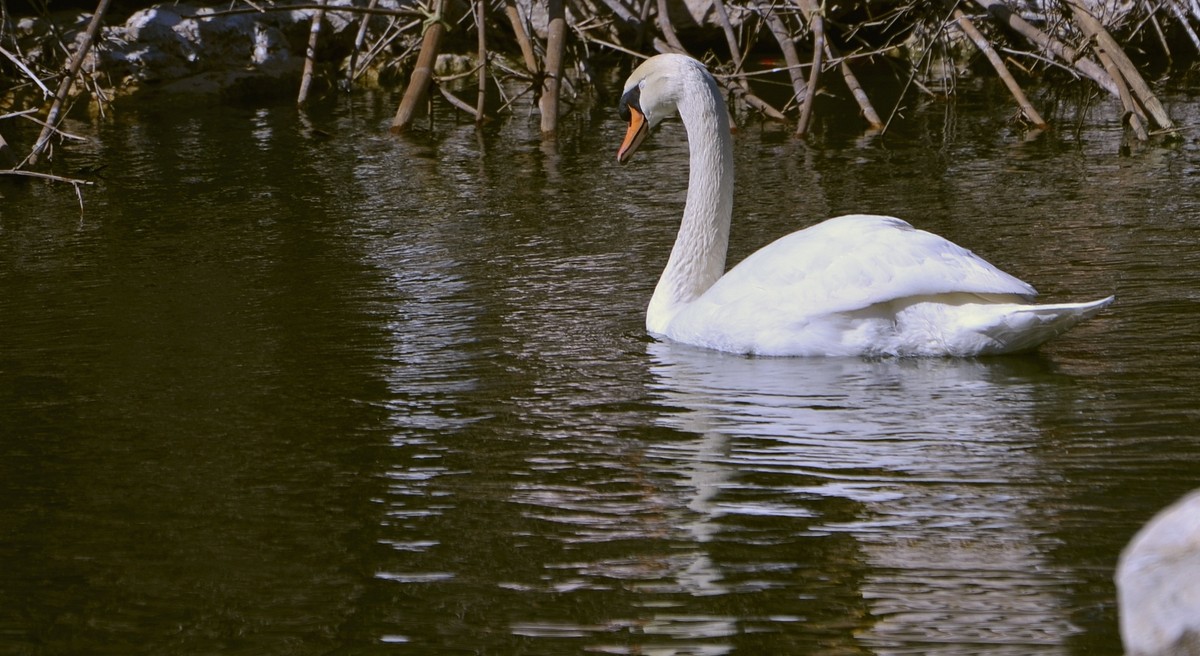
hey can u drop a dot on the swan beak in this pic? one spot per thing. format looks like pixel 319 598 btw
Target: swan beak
pixel 638 129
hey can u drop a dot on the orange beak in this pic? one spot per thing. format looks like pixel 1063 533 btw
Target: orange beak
pixel 638 129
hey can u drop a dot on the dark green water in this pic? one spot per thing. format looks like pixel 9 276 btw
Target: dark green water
pixel 291 386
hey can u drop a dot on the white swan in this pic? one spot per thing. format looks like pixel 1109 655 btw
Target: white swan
pixel 853 285
pixel 1158 584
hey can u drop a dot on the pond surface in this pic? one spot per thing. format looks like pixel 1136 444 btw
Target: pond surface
pixel 292 386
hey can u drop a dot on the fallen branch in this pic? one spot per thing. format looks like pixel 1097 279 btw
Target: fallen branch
pixel 817 26
pixel 786 45
pixel 1123 68
pixel 76 183
pixel 518 26
pixel 668 30
pixel 832 56
pixel 1158 31
pixel 28 115
pixel 457 102
pixel 45 176
pixel 981 42
pixel 1088 68
pixel 64 87
pixel 738 84
pixel 310 54
pixel 643 17
pixel 856 89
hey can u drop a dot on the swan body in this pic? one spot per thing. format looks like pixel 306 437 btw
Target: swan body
pixel 1158 584
pixel 852 285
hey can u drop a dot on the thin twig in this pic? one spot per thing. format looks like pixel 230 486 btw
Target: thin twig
pixel 56 130
pixel 45 176
pixel 1152 18
pixel 25 69
pixel 384 41
pixel 23 112
pixel 912 78
pixel 738 84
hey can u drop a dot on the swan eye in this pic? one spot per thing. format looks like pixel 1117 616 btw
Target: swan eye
pixel 632 98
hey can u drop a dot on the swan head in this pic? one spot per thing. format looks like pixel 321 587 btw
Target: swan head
pixel 651 94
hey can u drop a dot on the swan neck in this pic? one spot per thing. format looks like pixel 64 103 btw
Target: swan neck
pixel 697 259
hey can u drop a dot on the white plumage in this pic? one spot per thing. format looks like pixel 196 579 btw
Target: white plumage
pixel 1158 583
pixel 853 285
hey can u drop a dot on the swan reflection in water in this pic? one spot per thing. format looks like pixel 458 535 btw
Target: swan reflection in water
pixel 929 465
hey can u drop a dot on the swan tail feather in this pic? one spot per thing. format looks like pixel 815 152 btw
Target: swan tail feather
pixel 1025 327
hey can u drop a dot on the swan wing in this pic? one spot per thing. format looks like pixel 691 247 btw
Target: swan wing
pixel 811 292
pixel 851 262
